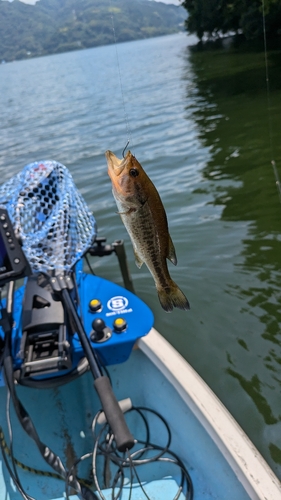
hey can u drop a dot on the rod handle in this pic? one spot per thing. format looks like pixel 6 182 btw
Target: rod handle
pixel 123 437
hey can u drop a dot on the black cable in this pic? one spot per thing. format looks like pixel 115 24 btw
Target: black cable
pixel 133 468
pixel 131 476
pixel 94 455
pixel 119 473
pixel 146 427
pixel 89 264
pixel 1 353
pixel 148 446
pixel 184 471
pixel 7 320
pixel 49 456
pixel 10 431
pixel 104 369
pixel 157 414
pixel 77 296
pixel 12 471
pixel 134 460
pixel 2 342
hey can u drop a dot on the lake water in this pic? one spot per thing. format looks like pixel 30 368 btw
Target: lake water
pixel 198 123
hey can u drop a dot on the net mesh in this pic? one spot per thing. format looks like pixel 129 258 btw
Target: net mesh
pixel 49 215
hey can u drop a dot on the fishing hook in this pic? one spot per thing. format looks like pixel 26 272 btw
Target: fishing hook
pixel 127 144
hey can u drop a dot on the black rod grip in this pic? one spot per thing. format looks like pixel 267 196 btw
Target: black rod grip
pixel 123 438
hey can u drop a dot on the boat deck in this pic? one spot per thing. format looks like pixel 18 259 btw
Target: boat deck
pixel 162 489
pixel 63 418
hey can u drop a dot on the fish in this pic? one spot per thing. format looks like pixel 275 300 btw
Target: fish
pixel 143 215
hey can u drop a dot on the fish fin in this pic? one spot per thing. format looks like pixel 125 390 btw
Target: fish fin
pixel 172 253
pixel 138 260
pixel 172 297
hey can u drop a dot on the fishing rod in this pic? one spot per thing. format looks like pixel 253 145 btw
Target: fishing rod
pixel 273 163
pixel 61 232
pixel 114 415
pixel 62 285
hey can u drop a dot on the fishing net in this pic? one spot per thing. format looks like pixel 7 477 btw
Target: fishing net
pixel 49 215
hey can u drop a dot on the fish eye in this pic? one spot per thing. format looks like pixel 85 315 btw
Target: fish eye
pixel 134 172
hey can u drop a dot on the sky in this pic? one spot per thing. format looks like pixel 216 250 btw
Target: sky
pixel 175 2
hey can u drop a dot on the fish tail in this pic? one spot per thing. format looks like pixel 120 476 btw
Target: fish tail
pixel 171 297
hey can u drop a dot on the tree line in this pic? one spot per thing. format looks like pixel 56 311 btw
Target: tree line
pixel 52 26
pixel 211 18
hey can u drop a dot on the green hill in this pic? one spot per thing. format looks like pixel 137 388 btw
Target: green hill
pixel 52 26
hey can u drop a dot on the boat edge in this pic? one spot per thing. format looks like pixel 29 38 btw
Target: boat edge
pixel 250 467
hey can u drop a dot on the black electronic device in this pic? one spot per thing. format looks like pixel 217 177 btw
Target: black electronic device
pixel 13 263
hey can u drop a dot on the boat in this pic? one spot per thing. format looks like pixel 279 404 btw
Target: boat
pixel 94 402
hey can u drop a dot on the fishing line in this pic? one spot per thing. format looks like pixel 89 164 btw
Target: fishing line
pixel 273 163
pixel 123 152
pixel 128 128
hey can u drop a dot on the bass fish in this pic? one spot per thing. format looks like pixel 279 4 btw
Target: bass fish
pixel 144 217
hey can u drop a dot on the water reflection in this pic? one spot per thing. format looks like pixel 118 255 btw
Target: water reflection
pixel 230 109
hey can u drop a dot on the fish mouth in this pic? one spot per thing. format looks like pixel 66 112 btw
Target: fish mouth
pixel 115 165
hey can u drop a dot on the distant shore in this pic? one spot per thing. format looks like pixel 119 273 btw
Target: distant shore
pixel 48 27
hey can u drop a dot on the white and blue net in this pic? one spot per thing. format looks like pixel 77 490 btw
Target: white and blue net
pixel 49 215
